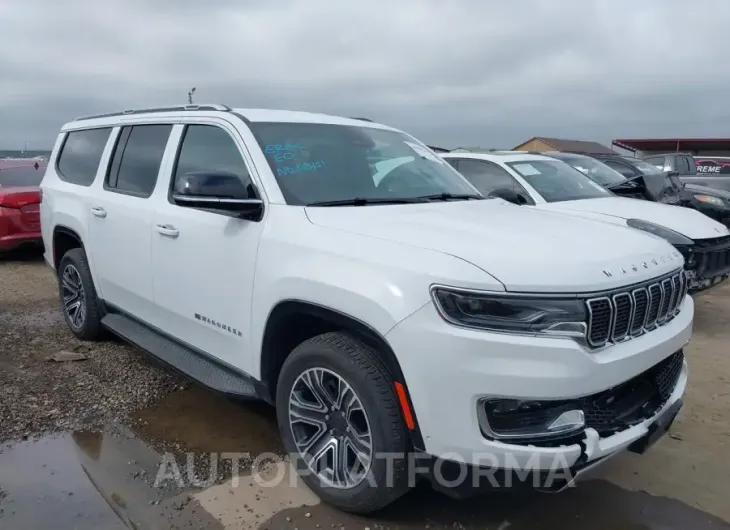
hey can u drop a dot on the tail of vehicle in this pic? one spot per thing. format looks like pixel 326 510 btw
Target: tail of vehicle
pixel 19 216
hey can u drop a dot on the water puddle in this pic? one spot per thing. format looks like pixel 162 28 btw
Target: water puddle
pixel 203 421
pixel 158 475
pixel 44 485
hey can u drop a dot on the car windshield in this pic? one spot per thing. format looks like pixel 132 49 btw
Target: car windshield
pixel 557 181
pixel 594 169
pixel 645 167
pixel 318 163
pixel 22 176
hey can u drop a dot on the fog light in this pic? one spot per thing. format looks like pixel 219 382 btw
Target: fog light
pixel 514 420
pixel 571 420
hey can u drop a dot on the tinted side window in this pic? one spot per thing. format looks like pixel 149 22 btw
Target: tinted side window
pixel 137 158
pixel 210 148
pixel 686 166
pixel 624 169
pixel 80 155
pixel 453 162
pixel 487 177
pixel 657 161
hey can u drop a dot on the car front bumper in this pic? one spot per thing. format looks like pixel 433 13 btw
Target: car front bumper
pixel 707 263
pixel 450 371
pixel 462 479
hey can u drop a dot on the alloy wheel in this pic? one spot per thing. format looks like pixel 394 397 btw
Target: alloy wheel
pixel 330 428
pixel 72 293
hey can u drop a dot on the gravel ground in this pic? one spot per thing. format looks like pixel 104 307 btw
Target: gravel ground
pixel 37 395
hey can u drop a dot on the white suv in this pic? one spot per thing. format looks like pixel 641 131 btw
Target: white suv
pixel 254 251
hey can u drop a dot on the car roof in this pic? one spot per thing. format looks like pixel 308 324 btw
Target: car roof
pixel 185 111
pixel 499 156
pixel 562 154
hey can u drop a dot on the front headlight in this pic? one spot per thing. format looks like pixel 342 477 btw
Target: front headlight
pixel 512 314
pixel 709 199
pixel 675 238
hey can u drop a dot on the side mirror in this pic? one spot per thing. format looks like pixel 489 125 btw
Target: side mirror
pixel 222 191
pixel 672 173
pixel 509 196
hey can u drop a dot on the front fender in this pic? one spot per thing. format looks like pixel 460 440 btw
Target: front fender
pixel 378 288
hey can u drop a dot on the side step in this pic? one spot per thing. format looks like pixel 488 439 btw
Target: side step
pixel 185 360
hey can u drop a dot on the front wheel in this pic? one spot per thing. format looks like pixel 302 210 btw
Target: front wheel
pixel 79 303
pixel 340 421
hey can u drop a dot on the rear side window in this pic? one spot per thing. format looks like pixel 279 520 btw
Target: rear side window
pixel 686 166
pixel 657 161
pixel 80 155
pixel 137 159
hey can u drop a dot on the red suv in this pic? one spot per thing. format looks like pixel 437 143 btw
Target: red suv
pixel 20 198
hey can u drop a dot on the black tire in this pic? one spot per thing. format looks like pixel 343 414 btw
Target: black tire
pixel 360 366
pixel 90 328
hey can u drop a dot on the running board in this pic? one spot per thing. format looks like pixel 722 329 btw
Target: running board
pixel 185 360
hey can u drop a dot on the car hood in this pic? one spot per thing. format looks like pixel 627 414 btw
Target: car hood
pixel 686 221
pixel 527 249
pixel 694 188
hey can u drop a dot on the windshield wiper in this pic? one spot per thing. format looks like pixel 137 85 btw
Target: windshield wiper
pixel 450 197
pixel 362 201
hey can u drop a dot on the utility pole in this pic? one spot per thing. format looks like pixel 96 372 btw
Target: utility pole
pixel 190 95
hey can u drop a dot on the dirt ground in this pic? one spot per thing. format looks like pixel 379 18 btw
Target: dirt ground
pixel 81 440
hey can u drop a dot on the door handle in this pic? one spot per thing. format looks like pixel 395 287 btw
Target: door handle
pixel 98 211
pixel 168 230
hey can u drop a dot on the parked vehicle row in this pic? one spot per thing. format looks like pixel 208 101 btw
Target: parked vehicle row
pixel 703 244
pixel 583 186
pixel 342 271
pixel 707 171
pixel 712 202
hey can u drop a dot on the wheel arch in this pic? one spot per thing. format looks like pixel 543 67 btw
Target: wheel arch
pixel 64 239
pixel 292 321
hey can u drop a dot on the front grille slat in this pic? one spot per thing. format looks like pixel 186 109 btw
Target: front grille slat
pixel 620 315
pixel 641 304
pixel 655 299
pixel 667 294
pixel 600 314
pixel 623 316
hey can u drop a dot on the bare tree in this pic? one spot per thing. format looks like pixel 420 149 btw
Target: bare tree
pixel 190 95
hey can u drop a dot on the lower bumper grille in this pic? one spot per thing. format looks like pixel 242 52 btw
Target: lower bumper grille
pixel 608 412
pixel 634 401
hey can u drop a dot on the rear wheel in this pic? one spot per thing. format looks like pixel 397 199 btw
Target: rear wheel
pixel 340 421
pixel 79 302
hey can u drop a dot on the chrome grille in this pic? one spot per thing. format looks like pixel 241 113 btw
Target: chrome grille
pixel 624 314
pixel 641 305
pixel 655 299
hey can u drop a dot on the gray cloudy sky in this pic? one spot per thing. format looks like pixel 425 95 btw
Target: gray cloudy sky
pixel 459 72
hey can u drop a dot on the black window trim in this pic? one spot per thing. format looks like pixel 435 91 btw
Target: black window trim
pixel 120 142
pixel 60 174
pixel 123 136
pixel 175 161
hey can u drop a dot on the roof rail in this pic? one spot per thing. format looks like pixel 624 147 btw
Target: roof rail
pixel 175 108
pixel 361 119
